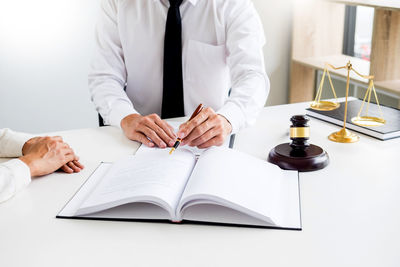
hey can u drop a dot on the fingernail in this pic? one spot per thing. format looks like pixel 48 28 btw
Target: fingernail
pixel 151 144
pixel 171 143
pixel 181 135
pixel 162 145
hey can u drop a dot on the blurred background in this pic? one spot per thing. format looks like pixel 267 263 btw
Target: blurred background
pixel 45 51
pixel 46 47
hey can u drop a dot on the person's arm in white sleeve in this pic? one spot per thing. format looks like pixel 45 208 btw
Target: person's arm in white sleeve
pixel 107 76
pixel 250 84
pixel 11 143
pixel 14 175
pixel 42 155
pixel 107 79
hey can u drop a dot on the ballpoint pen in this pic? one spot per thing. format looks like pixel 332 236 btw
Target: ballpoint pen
pixel 178 140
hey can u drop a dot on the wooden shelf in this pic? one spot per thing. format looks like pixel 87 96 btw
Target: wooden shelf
pixel 387 4
pixel 392 86
pixel 362 66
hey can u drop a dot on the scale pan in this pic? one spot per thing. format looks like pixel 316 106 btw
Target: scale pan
pixel 368 121
pixel 324 105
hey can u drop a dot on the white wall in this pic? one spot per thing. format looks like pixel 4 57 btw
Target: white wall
pixel 276 17
pixel 45 49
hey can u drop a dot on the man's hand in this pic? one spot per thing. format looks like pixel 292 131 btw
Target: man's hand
pixel 44 155
pixel 206 129
pixel 150 130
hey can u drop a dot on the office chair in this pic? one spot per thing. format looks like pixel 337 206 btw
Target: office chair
pixel 101 121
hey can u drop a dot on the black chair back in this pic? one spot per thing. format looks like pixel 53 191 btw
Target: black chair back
pixel 101 121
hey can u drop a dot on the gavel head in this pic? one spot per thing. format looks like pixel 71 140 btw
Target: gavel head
pixel 299 132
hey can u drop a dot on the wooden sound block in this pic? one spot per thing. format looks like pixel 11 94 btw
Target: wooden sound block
pixel 310 159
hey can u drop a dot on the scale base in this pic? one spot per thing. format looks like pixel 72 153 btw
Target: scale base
pixel 344 136
pixel 311 159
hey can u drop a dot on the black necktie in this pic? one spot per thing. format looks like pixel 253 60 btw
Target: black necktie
pixel 172 103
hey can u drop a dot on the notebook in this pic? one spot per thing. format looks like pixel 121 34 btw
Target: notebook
pixel 221 186
pixel 388 131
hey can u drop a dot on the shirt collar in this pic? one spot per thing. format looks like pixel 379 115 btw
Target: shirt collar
pixel 193 2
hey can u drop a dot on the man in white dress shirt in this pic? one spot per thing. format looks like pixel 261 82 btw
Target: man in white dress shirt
pixel 37 156
pixel 174 54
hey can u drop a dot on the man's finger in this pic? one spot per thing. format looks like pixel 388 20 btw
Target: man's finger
pixel 72 165
pixel 171 129
pixel 164 136
pixel 160 132
pixel 66 169
pixel 199 131
pixel 153 136
pixel 137 136
pixel 215 141
pixel 78 164
pixel 166 127
pixel 211 133
pixel 186 128
pixel 69 156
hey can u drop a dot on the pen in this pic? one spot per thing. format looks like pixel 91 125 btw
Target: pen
pixel 178 140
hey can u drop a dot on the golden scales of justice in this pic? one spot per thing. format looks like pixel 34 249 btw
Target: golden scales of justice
pixel 344 135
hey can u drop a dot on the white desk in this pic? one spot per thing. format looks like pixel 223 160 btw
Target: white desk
pixel 350 211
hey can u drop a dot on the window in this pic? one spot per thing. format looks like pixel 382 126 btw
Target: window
pixel 363 32
pixel 358 31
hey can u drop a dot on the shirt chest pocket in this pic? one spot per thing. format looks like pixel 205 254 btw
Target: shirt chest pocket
pixel 207 72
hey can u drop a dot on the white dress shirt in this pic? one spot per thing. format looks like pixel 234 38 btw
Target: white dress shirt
pixel 222 44
pixel 14 174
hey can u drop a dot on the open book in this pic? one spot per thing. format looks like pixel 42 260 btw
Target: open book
pixel 221 186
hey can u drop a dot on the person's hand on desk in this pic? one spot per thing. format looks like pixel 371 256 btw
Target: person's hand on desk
pixel 44 155
pixel 205 130
pixel 150 130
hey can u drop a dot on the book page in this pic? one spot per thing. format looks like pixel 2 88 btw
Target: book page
pixel 155 177
pixel 76 201
pixel 135 211
pixel 220 214
pixel 239 181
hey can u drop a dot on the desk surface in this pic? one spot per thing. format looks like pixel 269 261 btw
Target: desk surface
pixel 350 211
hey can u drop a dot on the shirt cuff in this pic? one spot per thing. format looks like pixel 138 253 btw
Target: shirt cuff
pixel 20 172
pixel 14 144
pixel 234 115
pixel 120 111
